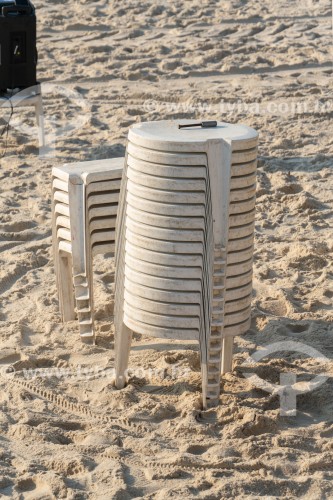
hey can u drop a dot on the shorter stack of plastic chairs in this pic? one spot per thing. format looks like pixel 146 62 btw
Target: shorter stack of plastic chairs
pixel 185 241
pixel 85 202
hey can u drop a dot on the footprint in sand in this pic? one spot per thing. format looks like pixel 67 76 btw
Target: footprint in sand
pixel 297 327
pixel 18 226
pixel 309 263
pixel 197 449
pixel 290 189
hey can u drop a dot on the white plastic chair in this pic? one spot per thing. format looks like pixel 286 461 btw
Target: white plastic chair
pixel 85 203
pixel 26 98
pixel 185 241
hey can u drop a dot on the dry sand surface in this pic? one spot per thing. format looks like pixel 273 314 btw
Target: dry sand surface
pixel 77 437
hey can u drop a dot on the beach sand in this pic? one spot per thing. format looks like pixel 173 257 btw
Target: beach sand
pixel 68 433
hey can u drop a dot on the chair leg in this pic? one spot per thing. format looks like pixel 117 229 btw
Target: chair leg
pixel 122 350
pixel 76 192
pixel 219 166
pixel 65 283
pixel 40 122
pixel 56 256
pixel 227 352
pixel 63 271
pixel 205 386
pixel 85 307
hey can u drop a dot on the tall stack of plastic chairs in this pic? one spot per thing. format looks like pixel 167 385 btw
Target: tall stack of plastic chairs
pixel 184 244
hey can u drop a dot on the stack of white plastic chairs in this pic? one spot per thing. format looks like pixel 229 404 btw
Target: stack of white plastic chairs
pixel 84 210
pixel 185 241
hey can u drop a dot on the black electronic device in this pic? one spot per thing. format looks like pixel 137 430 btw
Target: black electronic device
pixel 18 51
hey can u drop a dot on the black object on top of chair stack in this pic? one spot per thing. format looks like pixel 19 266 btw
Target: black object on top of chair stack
pixel 18 52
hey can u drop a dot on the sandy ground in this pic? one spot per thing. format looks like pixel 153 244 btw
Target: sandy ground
pixel 268 65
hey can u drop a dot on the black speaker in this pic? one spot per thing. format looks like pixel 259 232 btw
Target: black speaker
pixel 18 51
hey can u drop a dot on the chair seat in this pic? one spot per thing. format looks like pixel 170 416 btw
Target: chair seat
pixel 156 208
pixel 164 271
pixel 166 184
pixel 102 223
pixel 178 296
pixel 181 235
pixel 163 246
pixel 164 135
pixel 106 198
pixel 170 223
pixel 102 186
pixel 167 171
pixel 164 196
pixel 160 332
pixel 164 259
